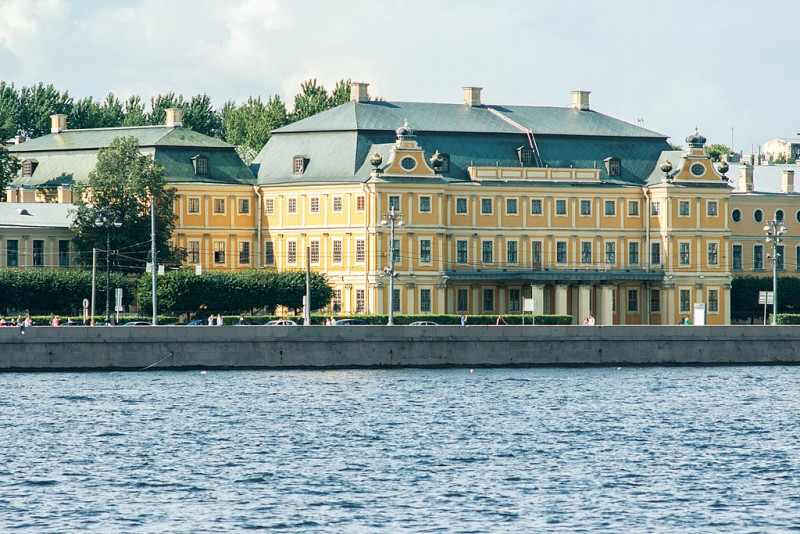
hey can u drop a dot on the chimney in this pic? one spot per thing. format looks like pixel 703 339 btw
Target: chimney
pixel 174 118
pixel 787 181
pixel 58 123
pixel 745 178
pixel 358 92
pixel 472 96
pixel 27 194
pixel 19 139
pixel 580 100
pixel 64 194
pixel 11 194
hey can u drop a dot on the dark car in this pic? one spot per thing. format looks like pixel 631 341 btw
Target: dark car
pixel 350 322
pixel 197 322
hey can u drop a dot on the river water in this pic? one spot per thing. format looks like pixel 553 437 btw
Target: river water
pixel 647 449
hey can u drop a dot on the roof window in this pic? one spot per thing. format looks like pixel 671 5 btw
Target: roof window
pixel 28 167
pixel 200 165
pixel 613 166
pixel 299 164
pixel 525 155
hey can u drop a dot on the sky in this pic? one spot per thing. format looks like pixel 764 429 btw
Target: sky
pixel 723 66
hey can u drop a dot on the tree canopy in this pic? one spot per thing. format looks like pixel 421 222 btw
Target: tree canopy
pixel 716 150
pixel 121 186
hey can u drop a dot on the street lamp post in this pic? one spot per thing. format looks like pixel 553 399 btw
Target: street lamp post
pixel 104 221
pixel 392 218
pixel 774 230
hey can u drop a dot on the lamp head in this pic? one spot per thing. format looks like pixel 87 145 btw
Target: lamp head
pixel 383 222
pixel 100 221
pixel 401 223
pixel 118 222
pixel 766 228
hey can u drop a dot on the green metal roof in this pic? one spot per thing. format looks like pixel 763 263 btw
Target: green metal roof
pixel 148 136
pixel 466 119
pixel 69 157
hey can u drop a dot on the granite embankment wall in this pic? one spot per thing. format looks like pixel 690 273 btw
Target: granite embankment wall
pixel 248 347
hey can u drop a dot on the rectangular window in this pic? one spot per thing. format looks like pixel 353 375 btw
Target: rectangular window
pixel 713 255
pixel 313 205
pixel 586 207
pixel 38 253
pixel 561 207
pixel 633 253
pixel 269 206
pixel 685 300
pixel 425 250
pixel 712 208
pixel 713 300
pixel 513 300
pixel 536 255
pixel 291 252
pixel 360 301
pixel 194 205
pixel 193 254
pixel 511 252
pixel 394 202
pixel 561 252
pixel 462 299
pixel 337 300
pixel 425 300
pixel 269 253
pixel 655 300
pixel 488 300
pixel 396 300
pixel 396 250
pixel 219 206
pixel 797 258
pixel 487 248
pixel 461 251
pixel 361 251
pixel 655 253
pixel 586 252
pixel 461 205
pixel 337 204
pixel 778 257
pixel 314 251
pixel 683 208
pixel 291 205
pixel 219 251
pixel 683 253
pixel 336 257
pixel 655 208
pixel 511 206
pixel 758 257
pixel 244 252
pixel 63 253
pixel 536 206
pixel 425 204
pixel 633 300
pixel 610 208
pixel 361 203
pixel 244 206
pixel 611 252
pixel 633 208
pixel 737 257
pixel 486 206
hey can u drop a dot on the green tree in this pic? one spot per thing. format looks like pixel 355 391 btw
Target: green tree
pixel 341 94
pixel 134 114
pixel 159 104
pixel 120 186
pixel 9 111
pixel 36 104
pixel 249 126
pixel 311 100
pixel 9 166
pixel 673 146
pixel 716 150
pixel 199 115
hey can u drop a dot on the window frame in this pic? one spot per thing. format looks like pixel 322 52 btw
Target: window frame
pixel 487 202
pixel 216 204
pixel 712 212
pixel 537 206
pixel 425 300
pixel 559 204
pixel 684 212
pixel 512 244
pixel 336 251
pixel 684 256
pixel 337 204
pixel 269 205
pixel 189 205
pixel 512 211
pixel 584 207
pixel 393 201
pixel 487 251
pixel 220 252
pixel 243 206
pixel 425 250
pixel 465 211
pixel 193 254
pixel 459 259
pixel 360 251
pixel 291 205
pixel 291 252
pixel 633 208
pixel 314 204
pixel 244 252
pixel 424 203
pixel 269 252
pixel 609 204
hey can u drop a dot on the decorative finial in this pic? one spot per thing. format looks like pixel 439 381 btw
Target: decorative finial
pixel 436 160
pixel 666 167
pixel 376 160
pixel 722 168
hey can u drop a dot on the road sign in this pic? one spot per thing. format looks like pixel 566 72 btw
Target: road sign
pixel 765 297
pixel 118 301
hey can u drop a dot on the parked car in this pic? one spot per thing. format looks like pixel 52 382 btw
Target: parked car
pixel 197 322
pixel 137 323
pixel 281 322
pixel 424 323
pixel 350 322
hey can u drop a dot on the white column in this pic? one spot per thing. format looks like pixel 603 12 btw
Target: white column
pixel 584 301
pixel 605 309
pixel 561 299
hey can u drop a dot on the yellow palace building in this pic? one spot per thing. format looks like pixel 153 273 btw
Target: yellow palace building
pixel 580 211
pixel 489 206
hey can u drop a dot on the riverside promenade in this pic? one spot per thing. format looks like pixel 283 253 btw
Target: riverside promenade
pixel 324 347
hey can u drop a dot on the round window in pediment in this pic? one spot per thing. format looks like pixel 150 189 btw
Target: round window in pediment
pixel 736 215
pixel 698 169
pixel 408 163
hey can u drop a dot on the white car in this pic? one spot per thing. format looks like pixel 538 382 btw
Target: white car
pixel 424 323
pixel 281 322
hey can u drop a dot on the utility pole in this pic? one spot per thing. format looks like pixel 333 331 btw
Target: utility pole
pixel 153 256
pixel 775 230
pixel 391 219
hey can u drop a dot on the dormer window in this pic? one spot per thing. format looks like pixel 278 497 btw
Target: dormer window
pixel 299 164
pixel 200 165
pixel 525 155
pixel 28 167
pixel 613 166
pixel 445 166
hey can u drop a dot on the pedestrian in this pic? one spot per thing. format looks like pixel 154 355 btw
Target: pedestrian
pixel 586 321
pixel 211 320
pixel 590 320
pixel 463 320
pixel 687 321
pixel 500 320
pixel 52 319
pixel 56 320
pixel 24 323
pixel 3 321
pixel 220 321
pixel 241 320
